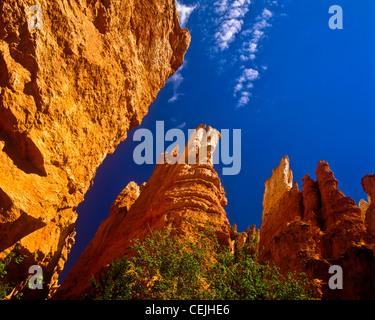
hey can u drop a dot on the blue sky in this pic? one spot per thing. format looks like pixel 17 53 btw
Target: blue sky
pixel 275 70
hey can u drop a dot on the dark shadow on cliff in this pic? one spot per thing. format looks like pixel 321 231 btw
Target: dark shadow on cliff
pixel 13 231
pixel 27 158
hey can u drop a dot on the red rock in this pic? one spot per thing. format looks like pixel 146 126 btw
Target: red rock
pixel 311 230
pixel 187 197
pixel 368 184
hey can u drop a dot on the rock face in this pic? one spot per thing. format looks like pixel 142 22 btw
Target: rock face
pixel 310 230
pixel 368 184
pixel 187 197
pixel 69 92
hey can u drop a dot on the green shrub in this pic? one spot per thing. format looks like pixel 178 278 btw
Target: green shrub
pixel 162 266
pixel 11 257
pixel 243 277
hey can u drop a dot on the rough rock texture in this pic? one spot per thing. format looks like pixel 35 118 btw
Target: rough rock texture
pixel 368 184
pixel 239 239
pixel 187 197
pixel 68 95
pixel 125 199
pixel 310 230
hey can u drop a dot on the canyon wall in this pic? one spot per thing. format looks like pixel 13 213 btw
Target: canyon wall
pixel 313 229
pixel 69 92
pixel 185 196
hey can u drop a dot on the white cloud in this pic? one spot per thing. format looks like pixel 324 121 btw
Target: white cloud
pixel 185 12
pixel 176 81
pixel 246 78
pixel 221 6
pixel 249 75
pixel 243 86
pixel 257 32
pixel 266 14
pixel 236 30
pixel 182 125
pixel 244 83
pixel 244 99
pixel 231 21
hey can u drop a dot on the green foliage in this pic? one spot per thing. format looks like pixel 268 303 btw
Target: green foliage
pixel 162 266
pixel 243 277
pixel 11 257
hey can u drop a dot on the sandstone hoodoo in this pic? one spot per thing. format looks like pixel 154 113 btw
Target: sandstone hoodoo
pixel 69 92
pixel 313 229
pixel 187 197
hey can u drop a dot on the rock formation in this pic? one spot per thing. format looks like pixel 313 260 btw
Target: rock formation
pixel 368 209
pixel 74 78
pixel 310 230
pixel 303 231
pixel 185 196
pixel 69 92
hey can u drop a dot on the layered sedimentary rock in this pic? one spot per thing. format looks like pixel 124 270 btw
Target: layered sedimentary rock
pixel 183 193
pixel 69 92
pixel 310 230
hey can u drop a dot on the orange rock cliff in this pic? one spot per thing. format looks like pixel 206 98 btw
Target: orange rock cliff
pixel 69 92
